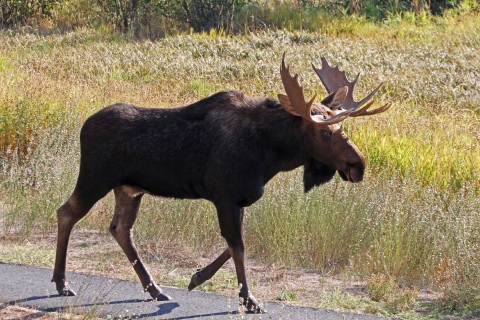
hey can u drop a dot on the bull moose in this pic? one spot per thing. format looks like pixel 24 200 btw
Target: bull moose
pixel 224 149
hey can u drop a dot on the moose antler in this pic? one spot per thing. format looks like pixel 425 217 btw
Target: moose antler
pixel 333 78
pixel 297 100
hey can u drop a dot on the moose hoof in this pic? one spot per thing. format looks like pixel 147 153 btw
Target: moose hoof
pixel 156 293
pixel 252 305
pixel 195 281
pixel 66 291
pixel 163 297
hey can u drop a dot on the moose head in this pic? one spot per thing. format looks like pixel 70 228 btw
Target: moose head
pixel 324 120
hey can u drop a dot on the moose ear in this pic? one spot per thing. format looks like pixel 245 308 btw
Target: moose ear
pixel 336 99
pixel 285 102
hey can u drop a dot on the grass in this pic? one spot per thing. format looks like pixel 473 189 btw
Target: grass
pixel 28 254
pixel 415 217
pixel 285 295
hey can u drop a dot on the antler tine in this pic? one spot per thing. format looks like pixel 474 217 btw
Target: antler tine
pixel 332 79
pixel 295 91
pixel 370 96
pixel 365 112
pixel 362 111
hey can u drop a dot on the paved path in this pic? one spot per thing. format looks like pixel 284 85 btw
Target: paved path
pixel 112 298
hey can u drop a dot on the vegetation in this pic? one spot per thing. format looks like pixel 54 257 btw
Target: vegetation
pixel 156 18
pixel 414 219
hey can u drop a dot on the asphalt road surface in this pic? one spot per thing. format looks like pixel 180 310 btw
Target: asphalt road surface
pixel 118 299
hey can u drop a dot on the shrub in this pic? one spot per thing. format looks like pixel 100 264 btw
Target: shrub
pixel 127 15
pixel 14 12
pixel 384 288
pixel 405 298
pixel 202 15
pixel 381 287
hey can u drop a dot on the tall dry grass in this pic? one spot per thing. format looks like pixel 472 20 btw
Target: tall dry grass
pixel 414 217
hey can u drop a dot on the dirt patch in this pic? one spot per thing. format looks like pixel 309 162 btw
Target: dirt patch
pixel 16 312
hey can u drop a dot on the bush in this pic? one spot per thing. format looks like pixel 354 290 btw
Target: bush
pixel 127 15
pixel 384 288
pixel 15 12
pixel 198 15
pixel 381 287
pixel 202 15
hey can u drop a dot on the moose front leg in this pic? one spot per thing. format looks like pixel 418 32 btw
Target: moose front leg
pixel 127 203
pixel 231 225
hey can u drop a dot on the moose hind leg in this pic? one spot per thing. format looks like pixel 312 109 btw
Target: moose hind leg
pixel 209 271
pixel 127 203
pixel 76 207
pixel 231 227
